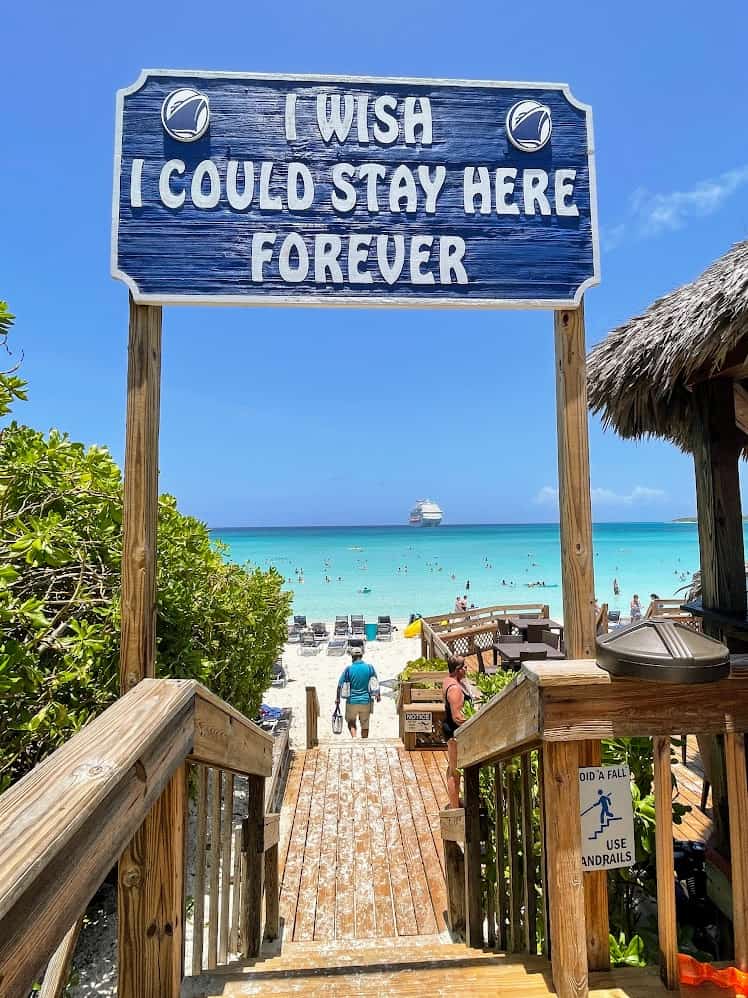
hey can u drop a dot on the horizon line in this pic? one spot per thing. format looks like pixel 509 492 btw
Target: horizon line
pixel 497 523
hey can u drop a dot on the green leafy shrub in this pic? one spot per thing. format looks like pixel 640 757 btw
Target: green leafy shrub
pixel 60 552
pixel 422 665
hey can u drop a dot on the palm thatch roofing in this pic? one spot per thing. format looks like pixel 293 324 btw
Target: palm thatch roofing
pixel 640 377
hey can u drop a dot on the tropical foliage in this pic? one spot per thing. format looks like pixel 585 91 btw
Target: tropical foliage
pixel 60 551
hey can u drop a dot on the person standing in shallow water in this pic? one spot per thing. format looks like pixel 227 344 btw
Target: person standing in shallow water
pixel 363 687
pixel 456 693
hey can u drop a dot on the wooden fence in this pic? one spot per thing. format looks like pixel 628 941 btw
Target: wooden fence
pixel 66 824
pixel 533 737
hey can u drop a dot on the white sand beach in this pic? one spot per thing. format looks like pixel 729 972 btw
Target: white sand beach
pixel 323 671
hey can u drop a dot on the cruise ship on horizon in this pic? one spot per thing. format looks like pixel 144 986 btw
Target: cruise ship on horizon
pixel 425 513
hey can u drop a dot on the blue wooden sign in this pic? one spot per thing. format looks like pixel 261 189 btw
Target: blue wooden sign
pixel 240 188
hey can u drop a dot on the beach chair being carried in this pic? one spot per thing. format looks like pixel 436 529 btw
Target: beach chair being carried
pixel 384 629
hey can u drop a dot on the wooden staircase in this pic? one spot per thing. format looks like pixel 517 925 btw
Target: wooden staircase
pixel 411 967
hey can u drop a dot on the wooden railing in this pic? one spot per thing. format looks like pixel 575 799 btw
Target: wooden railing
pixel 533 737
pixel 459 633
pixel 66 823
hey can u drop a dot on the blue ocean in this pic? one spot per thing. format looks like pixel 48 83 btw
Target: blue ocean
pixel 404 570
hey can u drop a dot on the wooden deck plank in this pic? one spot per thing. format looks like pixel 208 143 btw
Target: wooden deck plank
pixel 430 804
pixel 324 919
pixel 429 855
pixel 383 909
pixel 419 887
pixel 306 910
pixel 405 917
pixel 365 919
pixel 295 858
pixel 345 912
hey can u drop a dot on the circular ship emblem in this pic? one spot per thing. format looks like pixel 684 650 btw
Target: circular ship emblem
pixel 185 114
pixel 528 125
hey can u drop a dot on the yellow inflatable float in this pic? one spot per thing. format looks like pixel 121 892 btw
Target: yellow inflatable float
pixel 414 629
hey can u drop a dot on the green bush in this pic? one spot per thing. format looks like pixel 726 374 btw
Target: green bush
pixel 60 551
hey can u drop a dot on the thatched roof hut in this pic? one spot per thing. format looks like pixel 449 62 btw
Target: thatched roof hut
pixel 641 377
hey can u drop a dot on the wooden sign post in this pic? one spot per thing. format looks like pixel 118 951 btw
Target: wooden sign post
pixel 150 875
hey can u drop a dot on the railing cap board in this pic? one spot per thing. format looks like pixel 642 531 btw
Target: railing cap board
pixel 577 700
pixel 224 737
pixel 500 610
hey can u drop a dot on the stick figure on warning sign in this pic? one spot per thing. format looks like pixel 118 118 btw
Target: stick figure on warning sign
pixel 604 802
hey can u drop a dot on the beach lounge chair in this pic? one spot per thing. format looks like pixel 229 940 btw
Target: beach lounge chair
pixel 384 629
pixel 307 643
pixel 299 620
pixel 337 646
pixel 341 627
pixel 358 628
pixel 293 633
pixel 320 632
pixel 614 616
pixel 280 675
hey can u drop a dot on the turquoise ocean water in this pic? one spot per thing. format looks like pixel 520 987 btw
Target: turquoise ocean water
pixel 421 570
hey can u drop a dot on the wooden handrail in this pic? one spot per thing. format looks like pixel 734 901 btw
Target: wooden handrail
pixel 64 825
pixel 479 613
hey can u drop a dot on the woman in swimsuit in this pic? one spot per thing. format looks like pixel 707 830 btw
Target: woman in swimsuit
pixel 456 693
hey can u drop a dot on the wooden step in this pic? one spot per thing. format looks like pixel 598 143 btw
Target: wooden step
pixel 404 969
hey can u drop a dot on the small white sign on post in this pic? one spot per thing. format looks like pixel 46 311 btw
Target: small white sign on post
pixel 418 720
pixel 606 817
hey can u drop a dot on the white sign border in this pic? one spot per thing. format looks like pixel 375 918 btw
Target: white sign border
pixel 313 300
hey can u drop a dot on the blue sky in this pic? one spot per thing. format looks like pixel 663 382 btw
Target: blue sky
pixel 276 416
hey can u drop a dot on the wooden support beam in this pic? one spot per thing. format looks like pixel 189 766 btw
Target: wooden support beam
pixel 717 447
pixel 198 929
pixel 473 907
pixel 577 574
pixel 150 899
pixel 741 407
pixel 140 498
pixel 595 888
pixel 737 799
pixel 564 864
pixel 716 455
pixel 254 848
pixel 454 866
pixel 662 785
pixel 516 894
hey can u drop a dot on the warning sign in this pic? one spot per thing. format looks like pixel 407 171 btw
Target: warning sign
pixel 418 720
pixel 606 817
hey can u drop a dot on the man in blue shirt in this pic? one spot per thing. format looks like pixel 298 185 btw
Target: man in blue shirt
pixel 362 690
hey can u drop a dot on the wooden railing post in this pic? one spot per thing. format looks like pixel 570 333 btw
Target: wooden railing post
pixel 150 899
pixel 737 801
pixel 564 865
pixel 254 848
pixel 595 888
pixel 666 924
pixel 312 713
pixel 473 907
pixel 577 572
pixel 272 884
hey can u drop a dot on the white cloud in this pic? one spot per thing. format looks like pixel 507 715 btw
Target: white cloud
pixel 547 496
pixel 639 495
pixel 652 213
